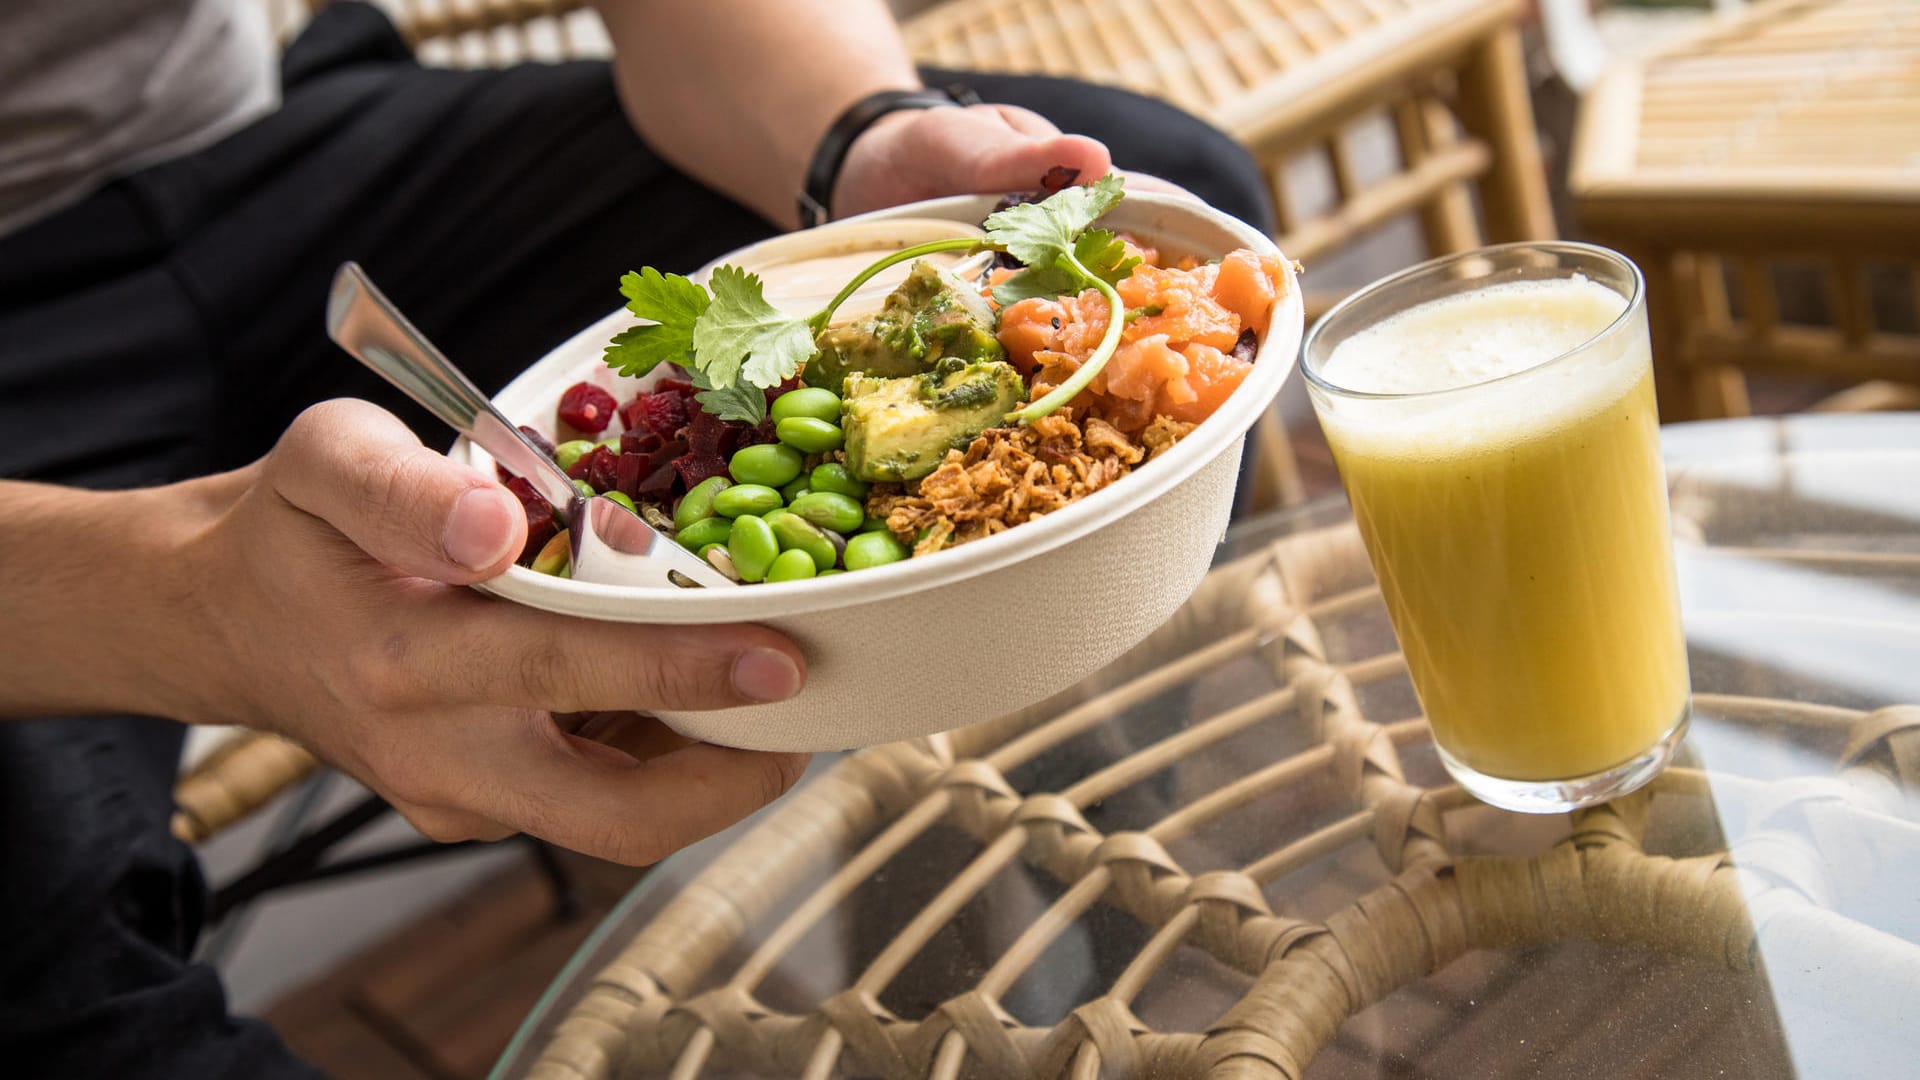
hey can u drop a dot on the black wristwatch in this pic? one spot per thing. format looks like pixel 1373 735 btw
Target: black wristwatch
pixel 831 154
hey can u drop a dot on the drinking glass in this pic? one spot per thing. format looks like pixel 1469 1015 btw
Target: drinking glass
pixel 1518 526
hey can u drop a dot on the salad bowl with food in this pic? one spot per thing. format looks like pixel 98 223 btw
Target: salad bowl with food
pixel 958 482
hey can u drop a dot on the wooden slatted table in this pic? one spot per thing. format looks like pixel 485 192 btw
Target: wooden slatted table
pixel 1787 137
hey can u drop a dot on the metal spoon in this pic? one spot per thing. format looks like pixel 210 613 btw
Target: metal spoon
pixel 611 544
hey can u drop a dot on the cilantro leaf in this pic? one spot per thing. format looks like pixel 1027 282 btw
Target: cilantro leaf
pixel 741 336
pixel 1105 254
pixel 737 402
pixel 1038 234
pixel 1098 251
pixel 675 306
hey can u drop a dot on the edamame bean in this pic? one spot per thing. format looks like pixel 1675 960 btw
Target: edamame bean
pixel 752 547
pixel 796 533
pixel 795 490
pixel 746 499
pixel 556 557
pixel 873 549
pixel 623 499
pixel 568 453
pixel 809 435
pixel 829 573
pixel 814 401
pixel 585 488
pixel 791 566
pixel 697 503
pixel 706 531
pixel 830 510
pixel 835 477
pixel 771 464
pixel 874 524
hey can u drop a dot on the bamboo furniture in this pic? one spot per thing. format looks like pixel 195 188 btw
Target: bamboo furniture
pixel 1234 854
pixel 1780 139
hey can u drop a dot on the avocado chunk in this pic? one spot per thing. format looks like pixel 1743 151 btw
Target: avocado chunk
pixel 901 429
pixel 931 316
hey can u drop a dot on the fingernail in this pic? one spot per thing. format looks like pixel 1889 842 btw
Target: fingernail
pixel 766 675
pixel 480 528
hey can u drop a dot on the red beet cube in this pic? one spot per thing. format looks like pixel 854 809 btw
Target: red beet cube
pixel 629 470
pixel 587 407
pixel 658 484
pixel 663 413
pixel 603 469
pixel 640 442
pixel 697 466
pixel 541 526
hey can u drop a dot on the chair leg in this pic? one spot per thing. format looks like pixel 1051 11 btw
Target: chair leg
pixel 1276 474
pixel 1494 106
pixel 1677 392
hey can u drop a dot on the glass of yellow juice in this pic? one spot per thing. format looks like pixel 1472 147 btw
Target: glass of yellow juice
pixel 1492 416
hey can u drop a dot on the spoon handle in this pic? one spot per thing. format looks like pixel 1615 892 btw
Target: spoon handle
pixel 367 325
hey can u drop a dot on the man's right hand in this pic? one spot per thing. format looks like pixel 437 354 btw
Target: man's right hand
pixel 319 593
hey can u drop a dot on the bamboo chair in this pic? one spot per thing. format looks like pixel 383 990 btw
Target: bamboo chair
pixel 1294 79
pixel 1299 624
pixel 1780 138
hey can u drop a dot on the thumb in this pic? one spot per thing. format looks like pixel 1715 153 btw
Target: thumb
pixel 1015 153
pixel 359 469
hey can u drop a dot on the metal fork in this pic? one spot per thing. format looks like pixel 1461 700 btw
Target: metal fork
pixel 611 544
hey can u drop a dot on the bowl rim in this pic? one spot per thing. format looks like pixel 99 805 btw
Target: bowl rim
pixel 1273 363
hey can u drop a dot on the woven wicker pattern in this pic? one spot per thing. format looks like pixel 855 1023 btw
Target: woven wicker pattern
pixel 1299 627
pixel 1782 142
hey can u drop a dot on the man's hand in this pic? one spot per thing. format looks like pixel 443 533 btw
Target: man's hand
pixel 984 149
pixel 317 593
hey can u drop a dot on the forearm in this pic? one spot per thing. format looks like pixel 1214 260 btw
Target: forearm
pixel 97 609
pixel 739 92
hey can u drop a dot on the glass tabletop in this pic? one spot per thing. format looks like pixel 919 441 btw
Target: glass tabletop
pixel 1235 853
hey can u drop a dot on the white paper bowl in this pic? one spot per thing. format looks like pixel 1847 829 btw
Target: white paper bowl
pixel 985 628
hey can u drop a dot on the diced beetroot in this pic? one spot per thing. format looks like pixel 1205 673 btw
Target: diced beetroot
pixel 540 523
pixel 587 407
pixel 708 434
pixel 664 414
pixel 673 386
pixel 629 470
pixel 640 442
pixel 603 469
pixel 537 440
pixel 697 466
pixel 658 485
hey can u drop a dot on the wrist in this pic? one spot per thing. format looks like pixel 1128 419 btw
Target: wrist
pixel 106 613
pixel 870 116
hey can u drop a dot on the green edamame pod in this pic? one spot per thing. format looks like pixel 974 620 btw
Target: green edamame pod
pixel 751 545
pixel 746 499
pixel 830 510
pixel 836 478
pixel 713 530
pixel 809 401
pixel 793 565
pixel 808 435
pixel 771 464
pixel 874 549
pixel 796 533
pixel 697 503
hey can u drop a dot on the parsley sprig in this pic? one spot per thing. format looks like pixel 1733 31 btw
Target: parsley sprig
pixel 736 345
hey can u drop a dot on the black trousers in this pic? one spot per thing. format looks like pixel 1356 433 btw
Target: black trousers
pixel 170 326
